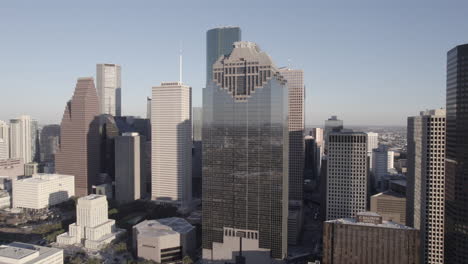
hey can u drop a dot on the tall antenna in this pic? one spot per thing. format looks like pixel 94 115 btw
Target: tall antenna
pixel 180 63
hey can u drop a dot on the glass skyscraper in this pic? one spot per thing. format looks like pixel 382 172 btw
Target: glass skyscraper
pixel 456 164
pixel 245 158
pixel 219 42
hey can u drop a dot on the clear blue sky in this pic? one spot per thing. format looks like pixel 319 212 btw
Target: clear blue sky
pixel 369 62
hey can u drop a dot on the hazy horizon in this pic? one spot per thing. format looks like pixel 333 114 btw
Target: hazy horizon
pixel 366 62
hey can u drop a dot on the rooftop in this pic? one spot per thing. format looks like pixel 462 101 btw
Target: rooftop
pixel 92 197
pixel 165 226
pixel 17 252
pixel 44 177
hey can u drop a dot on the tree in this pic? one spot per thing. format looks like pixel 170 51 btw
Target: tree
pixel 187 260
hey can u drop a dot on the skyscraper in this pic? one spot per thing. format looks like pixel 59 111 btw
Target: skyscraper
pixel 21 138
pixel 4 141
pixel 130 165
pixel 426 178
pixel 456 179
pixel 79 137
pixel 171 122
pixel 372 143
pixel 380 165
pixel 332 124
pixel 219 42
pixel 50 139
pixel 108 84
pixel 295 82
pixel 245 158
pixel 347 174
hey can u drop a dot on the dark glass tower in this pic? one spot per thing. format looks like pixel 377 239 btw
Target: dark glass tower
pixel 245 156
pixel 219 42
pixel 456 178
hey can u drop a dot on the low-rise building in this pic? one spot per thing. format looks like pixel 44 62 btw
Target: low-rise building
pixel 390 205
pixel 5 199
pixel 368 239
pixel 164 240
pixel 42 190
pixel 22 253
pixel 92 227
pixel 11 168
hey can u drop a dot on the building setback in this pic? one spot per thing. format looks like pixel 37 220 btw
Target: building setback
pixel 347 174
pixel 78 154
pixel 368 239
pixel 108 85
pixel 426 178
pixel 456 180
pixel 245 158
pixel 171 155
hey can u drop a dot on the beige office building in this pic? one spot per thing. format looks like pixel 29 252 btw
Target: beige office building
pixel 22 253
pixel 42 190
pixel 390 205
pixel 20 138
pixel 171 142
pixel 368 239
pixel 108 85
pixel 92 224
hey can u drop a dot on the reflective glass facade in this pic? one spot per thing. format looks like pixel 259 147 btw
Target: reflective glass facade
pixel 245 154
pixel 456 175
pixel 219 42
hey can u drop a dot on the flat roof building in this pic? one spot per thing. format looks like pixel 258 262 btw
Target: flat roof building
pixel 22 253
pixel 165 240
pixel 42 190
pixel 368 239
pixel 391 205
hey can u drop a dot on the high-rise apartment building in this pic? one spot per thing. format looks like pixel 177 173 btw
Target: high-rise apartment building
pixel 21 138
pixel 245 158
pixel 456 179
pixel 295 82
pixel 425 181
pixel 219 42
pixel 108 84
pixel 4 140
pixel 171 155
pixel 79 137
pixel 347 174
pixel 369 239
pixel 130 166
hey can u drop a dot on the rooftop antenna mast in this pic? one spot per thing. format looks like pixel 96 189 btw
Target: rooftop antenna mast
pixel 180 62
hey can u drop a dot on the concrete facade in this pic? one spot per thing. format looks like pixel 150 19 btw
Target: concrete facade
pixel 390 205
pixel 11 168
pixel 42 190
pixel 108 85
pixel 130 167
pixel 164 240
pixel 368 239
pixel 22 253
pixel 92 229
pixel 171 155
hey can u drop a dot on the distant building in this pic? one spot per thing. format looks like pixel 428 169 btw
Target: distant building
pixel 78 154
pixel 4 140
pixel 380 165
pixel 42 190
pixel 426 181
pixel 197 123
pixel 148 107
pixel 12 168
pixel 347 174
pixel 372 143
pixel 456 181
pixel 332 124
pixel 219 42
pixel 171 154
pixel 30 168
pixel 165 240
pixel 109 89
pixel 317 134
pixel 390 205
pixel 49 145
pixel 5 199
pixel 92 227
pixel 130 167
pixel 368 239
pixel 20 138
pixel 22 253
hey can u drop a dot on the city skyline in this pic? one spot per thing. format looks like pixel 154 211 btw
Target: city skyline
pixel 398 58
